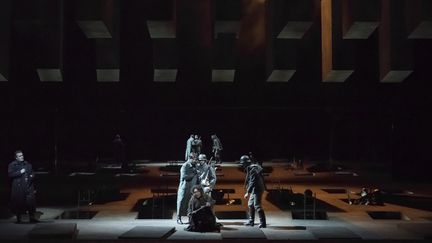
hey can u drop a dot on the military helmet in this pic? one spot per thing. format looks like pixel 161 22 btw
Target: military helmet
pixel 245 161
pixel 202 157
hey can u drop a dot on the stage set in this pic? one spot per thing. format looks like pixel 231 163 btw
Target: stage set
pixel 101 97
pixel 108 204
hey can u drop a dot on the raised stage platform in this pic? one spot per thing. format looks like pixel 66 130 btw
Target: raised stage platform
pixel 140 205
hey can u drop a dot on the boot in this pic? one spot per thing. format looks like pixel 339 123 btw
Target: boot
pixel 179 221
pixel 262 219
pixel 251 221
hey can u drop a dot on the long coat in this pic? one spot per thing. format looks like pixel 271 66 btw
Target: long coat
pixel 201 219
pixel 254 179
pixel 119 150
pixel 22 192
pixel 188 178
pixel 188 148
pixel 196 146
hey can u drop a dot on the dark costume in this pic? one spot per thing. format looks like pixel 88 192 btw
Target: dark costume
pixel 255 186
pixel 368 197
pixel 22 192
pixel 196 145
pixel 119 152
pixel 201 217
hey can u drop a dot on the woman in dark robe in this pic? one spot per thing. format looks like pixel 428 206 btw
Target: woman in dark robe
pixel 200 212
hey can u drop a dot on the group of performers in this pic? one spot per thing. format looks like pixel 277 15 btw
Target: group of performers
pixel 194 145
pixel 198 179
pixel 196 174
pixel 194 199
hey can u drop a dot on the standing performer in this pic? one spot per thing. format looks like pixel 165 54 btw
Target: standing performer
pixel 196 145
pixel 119 152
pixel 189 146
pixel 217 148
pixel 22 192
pixel 255 187
pixel 206 174
pixel 188 178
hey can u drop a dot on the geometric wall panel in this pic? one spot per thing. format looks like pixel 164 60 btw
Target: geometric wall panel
pixel 281 75
pixel 338 76
pixel 108 75
pixel 295 29
pixel 2 78
pixel 395 49
pixel 161 29
pixel 223 75
pixel 49 75
pixel 396 76
pixel 165 75
pixel 94 29
pixel 423 31
pixel 361 30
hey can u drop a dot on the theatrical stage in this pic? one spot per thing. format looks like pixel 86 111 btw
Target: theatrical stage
pixel 107 204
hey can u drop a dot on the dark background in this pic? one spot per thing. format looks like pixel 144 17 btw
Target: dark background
pixel 360 120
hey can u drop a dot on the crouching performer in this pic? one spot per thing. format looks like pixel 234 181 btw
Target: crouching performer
pixel 201 217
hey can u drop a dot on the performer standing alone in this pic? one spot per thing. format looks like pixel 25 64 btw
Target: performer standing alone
pixel 22 192
pixel 255 187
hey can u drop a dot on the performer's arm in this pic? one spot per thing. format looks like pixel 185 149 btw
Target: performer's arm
pixel 14 173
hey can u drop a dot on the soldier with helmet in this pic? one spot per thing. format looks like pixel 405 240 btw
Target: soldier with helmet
pixel 206 174
pixel 255 187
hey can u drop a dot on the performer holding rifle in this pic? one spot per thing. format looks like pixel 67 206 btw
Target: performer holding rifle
pixel 206 174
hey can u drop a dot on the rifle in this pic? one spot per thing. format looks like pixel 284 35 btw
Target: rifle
pixel 210 161
pixel 199 209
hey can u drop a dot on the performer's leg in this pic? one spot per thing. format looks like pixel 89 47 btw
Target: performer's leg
pixel 251 208
pixel 260 210
pixel 179 202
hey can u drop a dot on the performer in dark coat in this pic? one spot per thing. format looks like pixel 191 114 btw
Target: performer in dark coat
pixel 196 145
pixel 255 187
pixel 22 192
pixel 201 217
pixel 119 148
